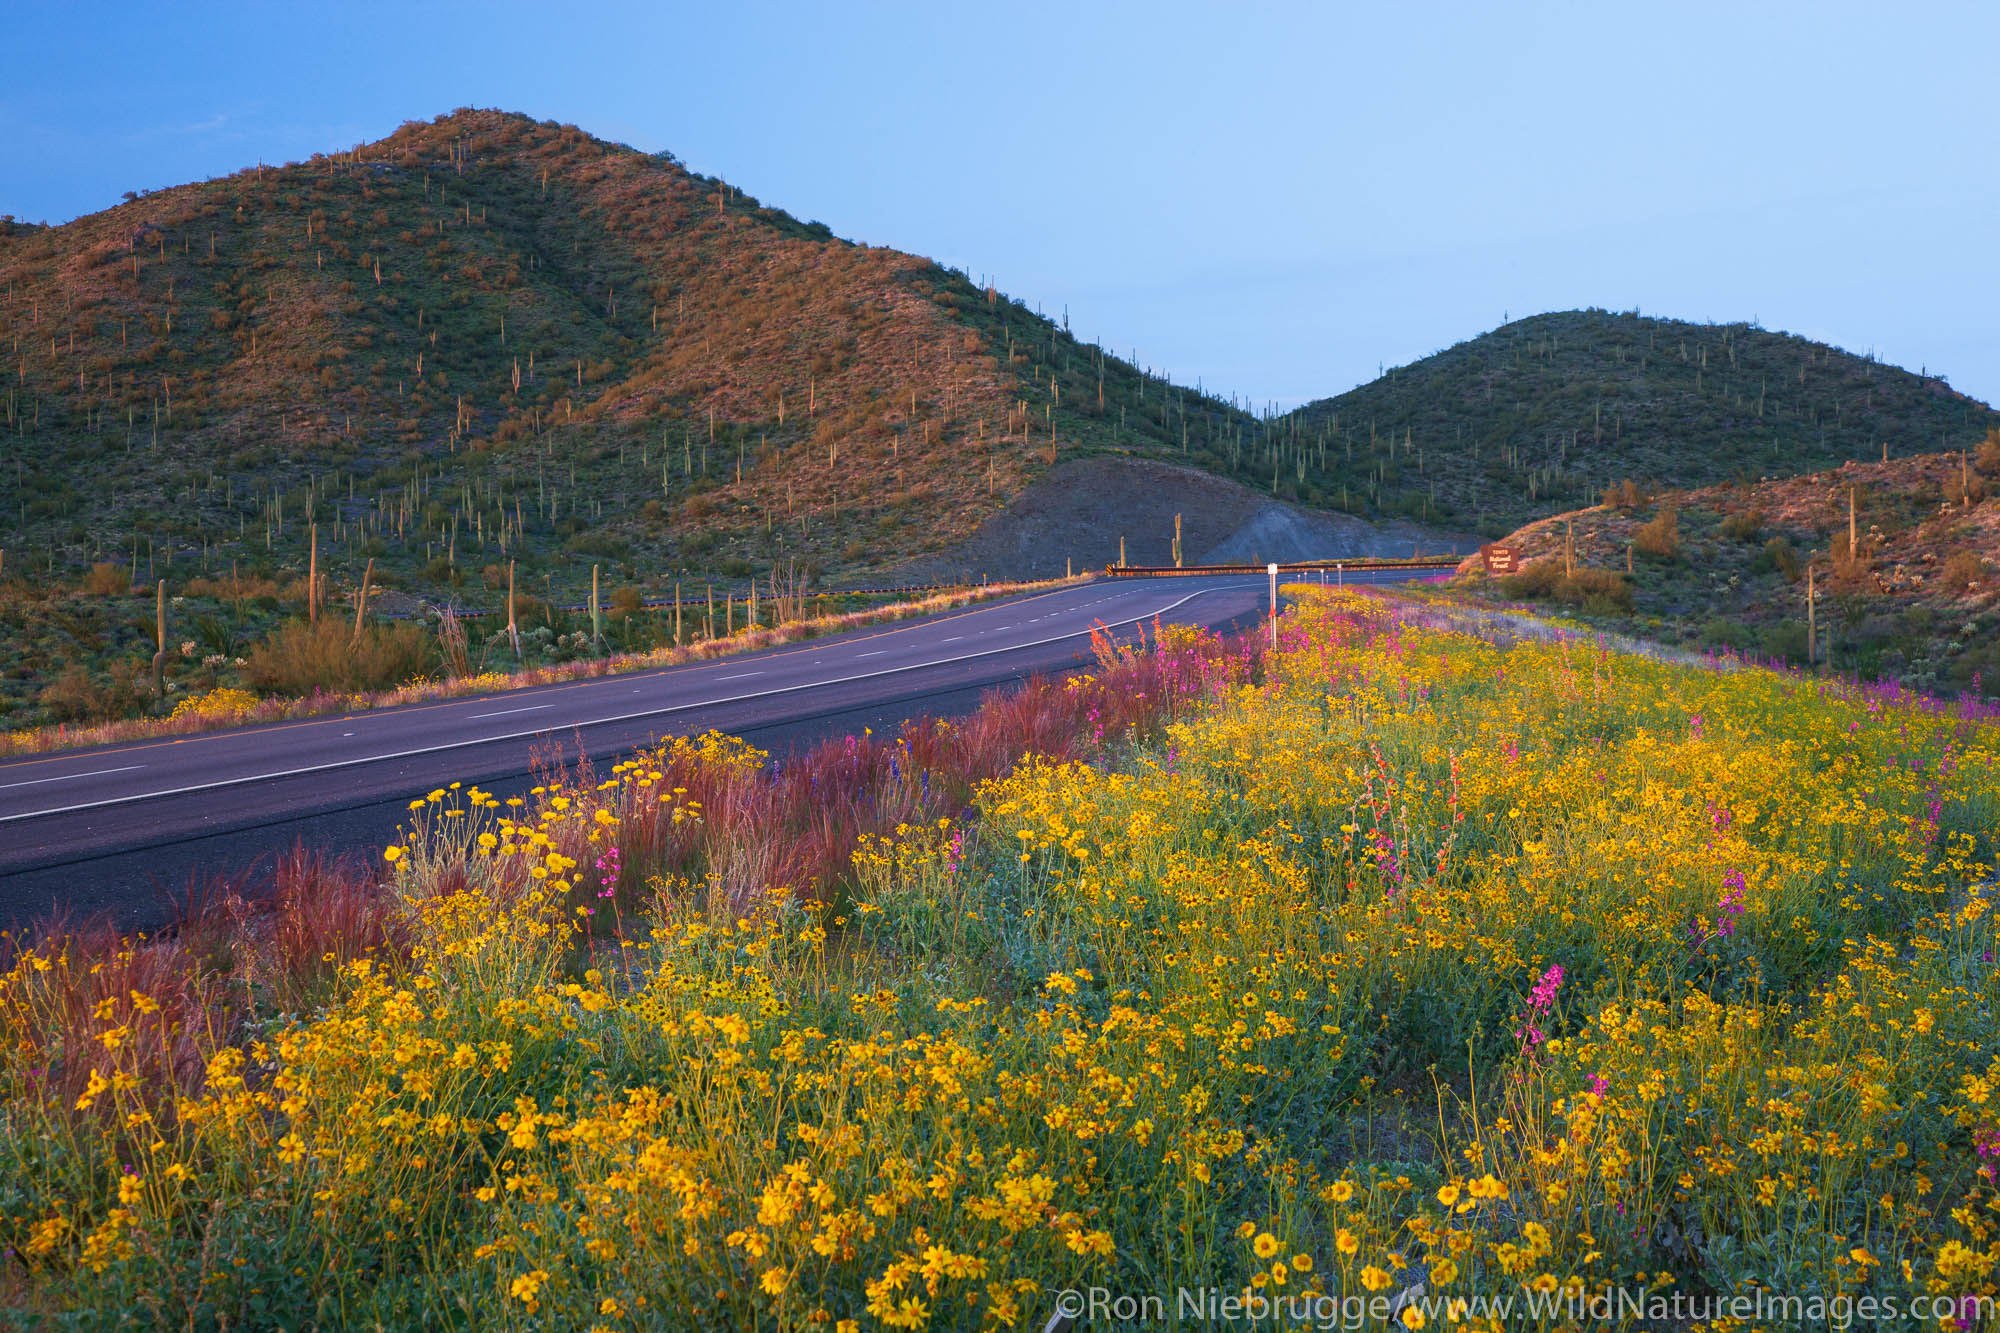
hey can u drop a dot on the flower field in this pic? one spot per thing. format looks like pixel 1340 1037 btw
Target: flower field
pixel 1394 969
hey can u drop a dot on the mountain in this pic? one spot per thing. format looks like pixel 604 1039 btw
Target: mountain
pixel 1542 414
pixel 1914 596
pixel 487 338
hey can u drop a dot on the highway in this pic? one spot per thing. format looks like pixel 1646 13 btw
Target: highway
pixel 120 831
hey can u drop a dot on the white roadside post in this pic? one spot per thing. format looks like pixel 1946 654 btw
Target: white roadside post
pixel 1273 570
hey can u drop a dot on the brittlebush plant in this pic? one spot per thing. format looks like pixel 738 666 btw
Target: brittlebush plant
pixel 1694 968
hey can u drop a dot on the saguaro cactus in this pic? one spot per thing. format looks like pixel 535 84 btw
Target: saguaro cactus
pixel 361 599
pixel 596 621
pixel 160 632
pixel 513 628
pixel 1177 541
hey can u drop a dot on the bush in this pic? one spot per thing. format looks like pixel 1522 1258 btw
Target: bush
pixel 1661 538
pixel 78 697
pixel 1627 494
pixel 1962 572
pixel 1786 640
pixel 1852 566
pixel 1722 632
pixel 1744 525
pixel 1598 591
pixel 1987 459
pixel 1537 579
pixel 300 658
pixel 106 579
pixel 1779 555
pixel 1961 488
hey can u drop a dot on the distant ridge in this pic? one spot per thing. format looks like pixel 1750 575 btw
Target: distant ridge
pixel 1541 414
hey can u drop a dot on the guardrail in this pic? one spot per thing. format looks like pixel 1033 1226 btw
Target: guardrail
pixel 1361 563
pixel 696 595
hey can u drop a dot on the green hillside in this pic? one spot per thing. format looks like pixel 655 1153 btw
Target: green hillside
pixel 1542 414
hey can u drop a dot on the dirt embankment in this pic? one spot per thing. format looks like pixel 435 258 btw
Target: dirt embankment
pixel 1078 511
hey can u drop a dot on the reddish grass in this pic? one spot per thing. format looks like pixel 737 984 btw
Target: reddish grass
pixel 275 938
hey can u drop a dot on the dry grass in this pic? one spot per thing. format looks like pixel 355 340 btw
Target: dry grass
pixel 300 658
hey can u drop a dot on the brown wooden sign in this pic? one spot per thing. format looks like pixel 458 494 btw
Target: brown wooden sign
pixel 1501 559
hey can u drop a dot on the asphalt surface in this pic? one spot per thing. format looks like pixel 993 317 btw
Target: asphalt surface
pixel 123 831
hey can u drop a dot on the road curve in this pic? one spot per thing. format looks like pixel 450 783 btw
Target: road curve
pixel 119 830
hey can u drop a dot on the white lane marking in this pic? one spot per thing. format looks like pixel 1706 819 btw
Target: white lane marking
pixel 69 777
pixel 532 708
pixel 877 653
pixel 606 721
pixel 953 639
pixel 741 675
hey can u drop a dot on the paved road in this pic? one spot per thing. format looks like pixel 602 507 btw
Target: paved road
pixel 120 830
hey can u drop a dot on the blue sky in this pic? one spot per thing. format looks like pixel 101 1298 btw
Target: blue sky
pixel 1275 199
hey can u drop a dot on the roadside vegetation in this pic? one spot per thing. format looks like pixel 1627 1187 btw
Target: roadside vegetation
pixel 1392 963
pixel 303 668
pixel 1874 570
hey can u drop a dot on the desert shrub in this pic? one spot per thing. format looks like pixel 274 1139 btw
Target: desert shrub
pixel 1962 488
pixel 1660 538
pixel 606 544
pixel 1743 525
pixel 1722 632
pixel 1627 494
pixel 1853 566
pixel 77 696
pixel 300 658
pixel 1598 591
pixel 1536 579
pixel 1778 555
pixel 1786 640
pixel 1962 571
pixel 106 579
pixel 1987 459
pixel 247 586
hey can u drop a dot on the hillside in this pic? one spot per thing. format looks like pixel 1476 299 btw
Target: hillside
pixel 1540 415
pixel 487 338
pixel 1917 598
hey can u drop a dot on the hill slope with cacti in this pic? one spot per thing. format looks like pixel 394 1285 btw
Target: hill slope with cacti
pixel 1542 414
pixel 488 338
pixel 1893 568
